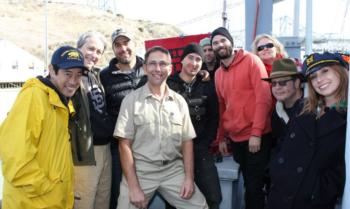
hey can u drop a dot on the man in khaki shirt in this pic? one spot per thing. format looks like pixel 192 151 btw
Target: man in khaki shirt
pixel 155 141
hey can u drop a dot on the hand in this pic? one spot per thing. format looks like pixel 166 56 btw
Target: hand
pixel 205 75
pixel 137 198
pixel 254 144
pixel 187 189
pixel 223 148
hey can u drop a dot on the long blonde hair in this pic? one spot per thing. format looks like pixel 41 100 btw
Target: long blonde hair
pixel 315 100
pixel 279 47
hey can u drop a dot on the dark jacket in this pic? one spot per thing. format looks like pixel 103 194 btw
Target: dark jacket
pixel 203 107
pixel 80 131
pixel 308 171
pixel 88 126
pixel 211 73
pixel 117 85
pixel 281 116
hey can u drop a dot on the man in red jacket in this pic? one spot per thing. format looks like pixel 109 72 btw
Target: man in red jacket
pixel 245 107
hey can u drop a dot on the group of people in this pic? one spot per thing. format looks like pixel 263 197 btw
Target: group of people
pixel 87 138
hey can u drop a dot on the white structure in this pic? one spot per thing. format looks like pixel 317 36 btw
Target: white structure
pixel 8 97
pixel 17 65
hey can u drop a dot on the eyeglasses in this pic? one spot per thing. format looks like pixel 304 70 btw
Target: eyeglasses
pixel 281 83
pixel 162 64
pixel 265 46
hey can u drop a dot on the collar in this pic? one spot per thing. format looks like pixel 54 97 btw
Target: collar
pixel 115 70
pixel 49 84
pixel 146 93
pixel 281 112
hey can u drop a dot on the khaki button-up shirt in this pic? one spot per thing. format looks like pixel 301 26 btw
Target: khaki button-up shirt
pixel 156 127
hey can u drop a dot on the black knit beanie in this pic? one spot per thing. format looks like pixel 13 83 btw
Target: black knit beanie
pixel 192 48
pixel 221 31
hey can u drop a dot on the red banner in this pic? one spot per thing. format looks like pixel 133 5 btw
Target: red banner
pixel 175 45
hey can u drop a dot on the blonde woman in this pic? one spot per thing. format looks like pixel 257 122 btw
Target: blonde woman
pixel 268 49
pixel 308 169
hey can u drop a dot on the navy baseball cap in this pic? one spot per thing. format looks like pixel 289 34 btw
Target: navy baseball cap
pixel 67 57
pixel 316 61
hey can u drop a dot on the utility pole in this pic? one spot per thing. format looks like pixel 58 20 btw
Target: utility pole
pixel 224 15
pixel 114 7
pixel 308 36
pixel 46 37
pixel 296 18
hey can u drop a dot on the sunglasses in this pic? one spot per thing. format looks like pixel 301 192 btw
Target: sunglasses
pixel 265 46
pixel 281 83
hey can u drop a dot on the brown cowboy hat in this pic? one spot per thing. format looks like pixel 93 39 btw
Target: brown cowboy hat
pixel 283 68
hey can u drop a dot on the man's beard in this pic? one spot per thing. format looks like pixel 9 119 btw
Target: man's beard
pixel 210 61
pixel 123 61
pixel 227 54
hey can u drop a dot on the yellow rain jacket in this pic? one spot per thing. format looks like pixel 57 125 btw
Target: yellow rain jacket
pixel 35 151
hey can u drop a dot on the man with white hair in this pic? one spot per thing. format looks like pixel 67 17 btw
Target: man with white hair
pixel 90 143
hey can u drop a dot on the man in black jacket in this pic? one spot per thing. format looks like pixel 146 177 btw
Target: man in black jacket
pixel 210 61
pixel 203 106
pixel 286 84
pixel 123 75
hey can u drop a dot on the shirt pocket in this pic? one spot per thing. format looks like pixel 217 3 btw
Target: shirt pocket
pixel 143 119
pixel 176 127
pixel 139 120
pixel 144 127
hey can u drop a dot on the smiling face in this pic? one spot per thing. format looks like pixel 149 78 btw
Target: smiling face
pixel 326 82
pixel 209 56
pixel 124 49
pixel 158 68
pixel 286 90
pixel 222 47
pixel 67 81
pixel 92 51
pixel 267 55
pixel 191 64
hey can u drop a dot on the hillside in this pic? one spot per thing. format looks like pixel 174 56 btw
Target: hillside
pixel 24 25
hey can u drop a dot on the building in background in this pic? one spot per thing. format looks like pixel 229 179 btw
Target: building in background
pixel 16 66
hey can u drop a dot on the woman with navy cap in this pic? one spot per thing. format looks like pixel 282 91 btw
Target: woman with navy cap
pixel 308 170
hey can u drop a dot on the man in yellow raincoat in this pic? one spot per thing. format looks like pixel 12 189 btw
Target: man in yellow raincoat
pixel 35 150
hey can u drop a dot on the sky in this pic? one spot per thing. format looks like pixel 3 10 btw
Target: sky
pixel 202 16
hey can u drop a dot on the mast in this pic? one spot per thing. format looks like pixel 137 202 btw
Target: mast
pixel 224 15
pixel 308 35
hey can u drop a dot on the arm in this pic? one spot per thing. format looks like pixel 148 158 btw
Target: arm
pixel 125 131
pixel 20 139
pixel 212 114
pixel 220 136
pixel 136 195
pixel 187 187
pixel 332 174
pixel 263 103
pixel 262 91
pixel 188 133
pixel 204 74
